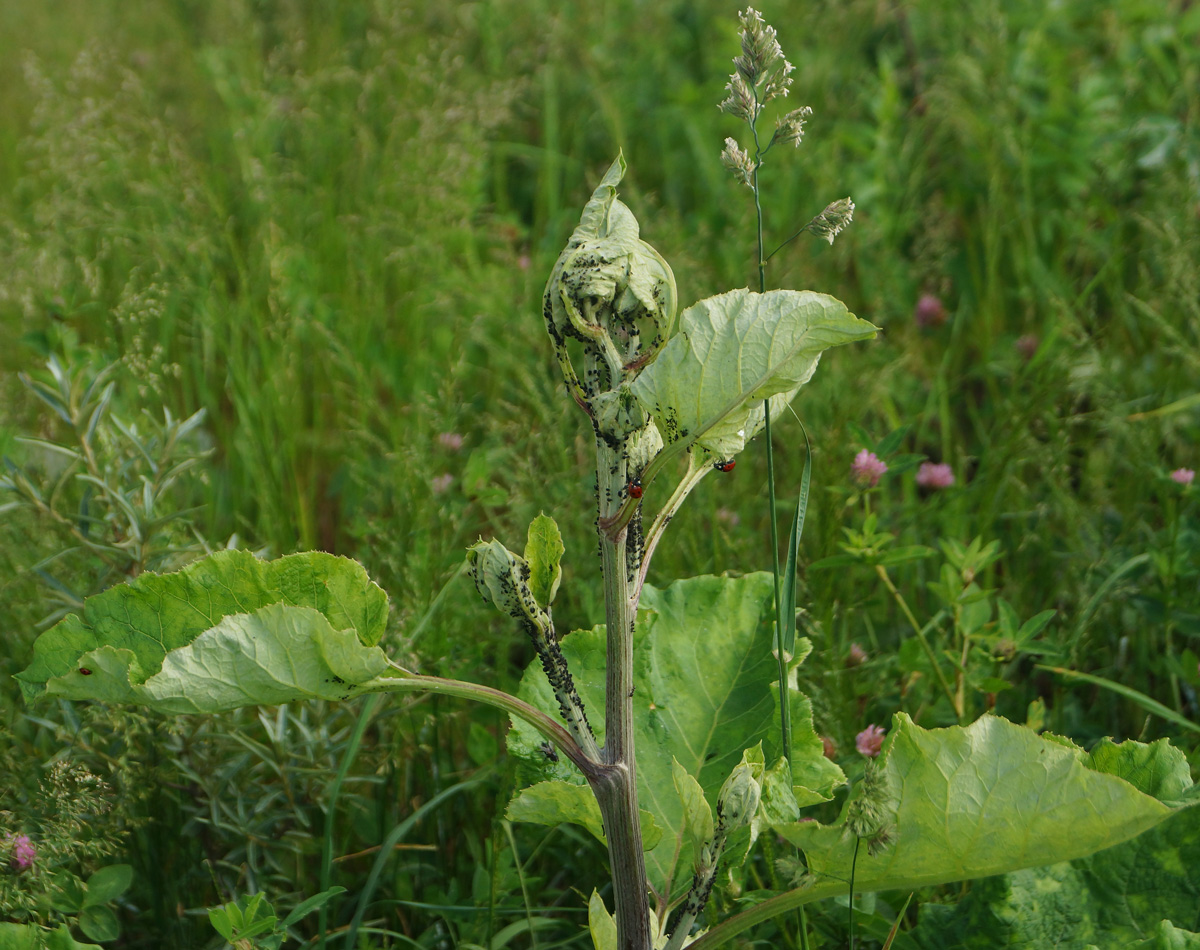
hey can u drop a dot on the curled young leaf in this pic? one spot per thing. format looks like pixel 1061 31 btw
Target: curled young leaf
pixel 502 579
pixel 611 291
pixel 738 799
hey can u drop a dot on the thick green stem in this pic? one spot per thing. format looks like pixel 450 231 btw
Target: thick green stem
pixel 617 792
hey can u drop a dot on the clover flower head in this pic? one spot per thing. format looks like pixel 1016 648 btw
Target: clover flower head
pixel 1027 344
pixel 870 741
pixel 1183 476
pixel 935 476
pixel 929 312
pixel 22 853
pixel 857 655
pixel 867 468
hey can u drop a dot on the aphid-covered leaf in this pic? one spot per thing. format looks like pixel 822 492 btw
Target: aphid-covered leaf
pixel 733 351
pixel 609 288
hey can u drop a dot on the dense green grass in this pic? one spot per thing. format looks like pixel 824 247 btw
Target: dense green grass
pixel 328 225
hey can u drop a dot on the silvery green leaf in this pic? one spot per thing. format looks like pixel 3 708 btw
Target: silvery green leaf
pixel 123 638
pixel 733 351
pixel 983 799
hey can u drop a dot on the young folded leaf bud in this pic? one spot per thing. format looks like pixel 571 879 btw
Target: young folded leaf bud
pixel 738 162
pixel 833 220
pixel 739 797
pixel 502 579
pixel 611 291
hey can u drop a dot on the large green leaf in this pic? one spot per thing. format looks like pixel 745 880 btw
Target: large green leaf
pixel 985 799
pixel 703 671
pixel 227 631
pixel 549 803
pixel 32 937
pixel 733 351
pixel 1112 900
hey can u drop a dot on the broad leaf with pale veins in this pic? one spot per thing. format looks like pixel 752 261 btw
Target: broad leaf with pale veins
pixel 1122 897
pixel 730 353
pixel 703 671
pixel 992 797
pixel 229 630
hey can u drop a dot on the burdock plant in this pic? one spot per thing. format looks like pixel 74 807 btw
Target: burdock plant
pixel 656 730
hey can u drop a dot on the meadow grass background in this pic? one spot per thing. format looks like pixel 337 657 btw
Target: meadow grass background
pixel 328 225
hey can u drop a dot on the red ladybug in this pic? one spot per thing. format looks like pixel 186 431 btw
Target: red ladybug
pixel 725 466
pixel 634 488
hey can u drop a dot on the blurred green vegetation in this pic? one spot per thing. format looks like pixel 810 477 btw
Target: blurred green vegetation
pixel 328 224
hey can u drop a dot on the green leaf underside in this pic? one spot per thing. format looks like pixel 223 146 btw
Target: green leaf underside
pixel 227 631
pixel 549 803
pixel 1121 898
pixel 733 351
pixel 984 799
pixel 32 937
pixel 601 924
pixel 543 552
pixel 703 671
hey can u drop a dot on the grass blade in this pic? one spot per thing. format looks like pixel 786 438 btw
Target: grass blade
pixel 395 836
pixel 1148 704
